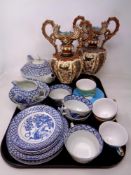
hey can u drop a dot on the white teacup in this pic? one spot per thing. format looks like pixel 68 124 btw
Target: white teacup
pixel 104 109
pixel 114 135
pixel 76 106
pixel 86 87
pixel 83 143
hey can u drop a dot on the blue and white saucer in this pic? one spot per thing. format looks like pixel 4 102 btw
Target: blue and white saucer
pixel 42 157
pixel 35 127
pixel 99 94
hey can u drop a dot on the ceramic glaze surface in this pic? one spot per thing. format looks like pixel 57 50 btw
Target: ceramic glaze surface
pixel 39 114
pixel 85 84
pixel 105 108
pixel 77 104
pixel 59 91
pixel 36 128
pixel 113 133
pixel 84 143
pixel 99 94
pixel 41 157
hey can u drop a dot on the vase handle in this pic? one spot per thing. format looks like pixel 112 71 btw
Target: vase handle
pixel 108 33
pixel 51 38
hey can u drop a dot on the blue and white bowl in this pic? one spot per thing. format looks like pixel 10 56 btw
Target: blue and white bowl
pixel 59 91
pixel 38 69
pixel 83 143
pixel 35 127
pixel 75 107
pixel 40 157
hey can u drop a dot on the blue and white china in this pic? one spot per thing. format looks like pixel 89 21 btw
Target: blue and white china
pixel 38 69
pixel 87 87
pixel 83 143
pixel 59 91
pixel 35 127
pixel 105 109
pixel 44 149
pixel 99 94
pixel 27 92
pixel 75 107
pixel 40 157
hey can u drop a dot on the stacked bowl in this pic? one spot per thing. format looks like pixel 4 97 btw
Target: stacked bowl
pixel 36 135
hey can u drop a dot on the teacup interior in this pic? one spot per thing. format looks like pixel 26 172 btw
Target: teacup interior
pixel 105 108
pixel 76 106
pixel 113 133
pixel 85 84
pixel 27 85
pixel 59 94
pixel 83 144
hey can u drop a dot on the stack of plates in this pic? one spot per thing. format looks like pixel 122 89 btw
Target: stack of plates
pixel 36 135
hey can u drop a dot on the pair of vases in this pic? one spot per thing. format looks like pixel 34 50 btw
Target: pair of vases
pixel 88 56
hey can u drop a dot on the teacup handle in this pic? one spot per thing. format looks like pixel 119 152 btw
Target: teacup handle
pixel 105 26
pixel 51 38
pixel 120 151
pixel 65 111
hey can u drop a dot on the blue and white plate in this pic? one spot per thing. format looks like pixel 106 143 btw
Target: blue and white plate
pixel 35 127
pixel 42 157
pixel 99 94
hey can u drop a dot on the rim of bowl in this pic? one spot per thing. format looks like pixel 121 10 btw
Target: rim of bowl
pixel 78 85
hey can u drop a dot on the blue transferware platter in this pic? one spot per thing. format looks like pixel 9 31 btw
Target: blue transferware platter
pixel 87 128
pixel 99 94
pixel 35 127
pixel 42 157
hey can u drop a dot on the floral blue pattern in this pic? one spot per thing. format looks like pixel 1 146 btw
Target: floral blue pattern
pixel 44 110
pixel 41 157
pixel 61 86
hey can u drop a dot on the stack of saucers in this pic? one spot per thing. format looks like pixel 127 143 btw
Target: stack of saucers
pixel 36 135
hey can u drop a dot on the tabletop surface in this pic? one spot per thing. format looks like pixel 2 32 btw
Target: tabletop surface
pixel 116 87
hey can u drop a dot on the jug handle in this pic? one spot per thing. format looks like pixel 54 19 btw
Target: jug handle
pixel 78 18
pixel 51 38
pixel 108 33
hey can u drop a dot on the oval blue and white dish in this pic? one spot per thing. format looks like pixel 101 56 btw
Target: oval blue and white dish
pixel 35 127
pixel 99 94
pixel 59 91
pixel 42 157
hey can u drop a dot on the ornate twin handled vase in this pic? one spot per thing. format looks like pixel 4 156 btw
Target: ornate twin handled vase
pixel 92 40
pixel 66 62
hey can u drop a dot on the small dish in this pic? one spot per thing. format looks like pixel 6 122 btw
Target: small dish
pixel 99 94
pixel 87 87
pixel 113 133
pixel 83 143
pixel 105 109
pixel 59 91
pixel 35 127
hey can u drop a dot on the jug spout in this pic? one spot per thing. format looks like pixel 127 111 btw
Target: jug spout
pixel 30 58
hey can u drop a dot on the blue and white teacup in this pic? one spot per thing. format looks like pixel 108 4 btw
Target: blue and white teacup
pixel 76 107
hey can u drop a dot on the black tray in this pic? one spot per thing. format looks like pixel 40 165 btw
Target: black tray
pixel 108 158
